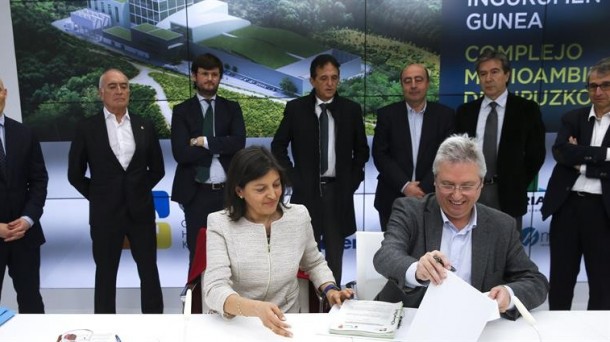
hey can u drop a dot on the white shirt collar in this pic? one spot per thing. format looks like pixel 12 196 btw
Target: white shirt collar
pixel 471 224
pixel 107 114
pixel 501 100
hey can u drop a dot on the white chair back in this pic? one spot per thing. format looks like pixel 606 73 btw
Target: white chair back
pixel 368 281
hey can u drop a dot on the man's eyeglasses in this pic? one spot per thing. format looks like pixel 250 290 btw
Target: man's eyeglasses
pixel 467 188
pixel 605 86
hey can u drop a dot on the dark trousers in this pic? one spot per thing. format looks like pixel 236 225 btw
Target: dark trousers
pixel 330 228
pixel 196 213
pixel 107 248
pixel 23 262
pixel 580 228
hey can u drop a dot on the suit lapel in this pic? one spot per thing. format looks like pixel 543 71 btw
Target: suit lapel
pixel 433 227
pixel 403 121
pixel 220 116
pixel 100 131
pixel 480 248
pixel 10 147
pixel 427 136
pixel 474 118
pixel 137 128
pixel 196 114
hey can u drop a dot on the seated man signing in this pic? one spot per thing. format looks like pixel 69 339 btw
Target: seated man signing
pixel 481 243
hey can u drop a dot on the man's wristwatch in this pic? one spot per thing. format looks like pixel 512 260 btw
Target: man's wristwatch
pixel 193 141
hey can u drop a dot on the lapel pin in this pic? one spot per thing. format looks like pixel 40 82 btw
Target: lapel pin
pixel 142 127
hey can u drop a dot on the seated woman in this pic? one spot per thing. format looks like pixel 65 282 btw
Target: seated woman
pixel 256 245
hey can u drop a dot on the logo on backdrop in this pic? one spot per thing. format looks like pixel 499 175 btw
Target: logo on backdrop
pixel 164 232
pixel 529 236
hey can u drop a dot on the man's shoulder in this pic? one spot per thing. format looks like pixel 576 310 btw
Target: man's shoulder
pixel 343 101
pixel 578 112
pixel 300 101
pixel 91 120
pixel 224 100
pixel 470 106
pixel 513 99
pixel 12 123
pixel 187 102
pixel 139 119
pixel 499 219
pixel 414 203
pixel 437 107
pixel 394 107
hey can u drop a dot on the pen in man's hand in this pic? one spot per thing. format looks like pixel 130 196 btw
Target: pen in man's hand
pixel 438 259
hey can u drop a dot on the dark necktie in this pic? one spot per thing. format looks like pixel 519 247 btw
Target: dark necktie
pixel 203 172
pixel 2 159
pixel 323 139
pixel 490 141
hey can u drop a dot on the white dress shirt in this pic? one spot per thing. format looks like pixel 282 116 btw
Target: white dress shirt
pixel 484 113
pixel 330 172
pixel 120 137
pixel 600 127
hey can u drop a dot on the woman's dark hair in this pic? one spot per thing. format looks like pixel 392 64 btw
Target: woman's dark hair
pixel 249 164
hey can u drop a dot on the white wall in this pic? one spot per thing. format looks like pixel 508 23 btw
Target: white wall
pixel 8 63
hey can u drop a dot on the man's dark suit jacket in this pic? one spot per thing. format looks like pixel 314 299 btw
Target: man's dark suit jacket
pixel 576 124
pixel 299 128
pixel 23 191
pixel 521 151
pixel 393 152
pixel 110 189
pixel 187 123
pixel 498 258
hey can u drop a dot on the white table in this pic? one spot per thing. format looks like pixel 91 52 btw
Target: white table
pixel 553 326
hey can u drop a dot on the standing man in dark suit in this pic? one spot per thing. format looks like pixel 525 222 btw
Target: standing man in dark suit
pixel 514 161
pixel 203 146
pixel 407 136
pixel 123 155
pixel 448 229
pixel 324 179
pixel 578 197
pixel 23 191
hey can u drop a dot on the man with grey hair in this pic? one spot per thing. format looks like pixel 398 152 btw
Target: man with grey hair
pixel 449 230
pixel 23 192
pixel 115 161
pixel 578 197
pixel 510 131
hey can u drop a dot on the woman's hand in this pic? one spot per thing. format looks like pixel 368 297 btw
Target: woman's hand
pixel 272 318
pixel 337 297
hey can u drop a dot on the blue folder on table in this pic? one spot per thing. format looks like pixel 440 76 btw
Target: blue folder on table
pixel 5 314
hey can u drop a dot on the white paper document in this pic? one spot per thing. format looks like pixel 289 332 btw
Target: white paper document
pixel 452 311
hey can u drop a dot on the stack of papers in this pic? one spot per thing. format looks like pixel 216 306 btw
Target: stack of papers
pixel 367 318
pixel 452 311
